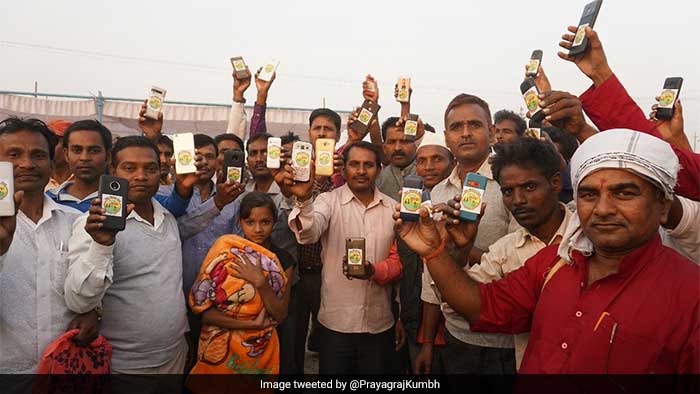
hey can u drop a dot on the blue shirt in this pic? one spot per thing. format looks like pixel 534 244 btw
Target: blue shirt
pixel 171 201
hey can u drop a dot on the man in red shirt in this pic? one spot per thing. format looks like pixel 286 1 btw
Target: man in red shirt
pixel 610 298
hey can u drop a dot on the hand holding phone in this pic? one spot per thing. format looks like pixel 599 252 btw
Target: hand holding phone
pixel 531 95
pixel 113 194
pixel 368 113
pixel 472 197
pixel 410 127
pixel 355 261
pixel 184 153
pixel 403 90
pixel 268 70
pixel 533 65
pixel 668 97
pixel 370 90
pixel 325 147
pixel 301 161
pixel 274 152
pixel 588 18
pixel 411 198
pixel 233 166
pixel 240 69
pixel 154 105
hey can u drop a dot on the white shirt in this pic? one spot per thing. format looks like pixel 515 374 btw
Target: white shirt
pixel 687 233
pixel 237 120
pixel 32 311
pixel 139 281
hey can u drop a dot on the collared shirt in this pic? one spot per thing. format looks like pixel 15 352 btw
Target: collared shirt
pixel 687 233
pixel 309 256
pixel 33 312
pixel 237 120
pixel 509 254
pixel 642 319
pixel 493 225
pixel 170 201
pixel 139 281
pixel 390 180
pixel 349 306
pixel 54 184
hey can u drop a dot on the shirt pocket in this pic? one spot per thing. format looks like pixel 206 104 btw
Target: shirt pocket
pixel 625 351
pixel 59 271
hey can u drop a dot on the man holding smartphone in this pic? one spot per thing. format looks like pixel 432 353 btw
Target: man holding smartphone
pixel 468 132
pixel 401 153
pixel 126 273
pixel 33 254
pixel 355 315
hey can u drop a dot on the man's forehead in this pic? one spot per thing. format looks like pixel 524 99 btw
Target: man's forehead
pixel 609 177
pixel 137 154
pixel 466 113
pixel 23 138
pixel 322 120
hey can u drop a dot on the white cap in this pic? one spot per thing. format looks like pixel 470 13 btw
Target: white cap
pixel 436 139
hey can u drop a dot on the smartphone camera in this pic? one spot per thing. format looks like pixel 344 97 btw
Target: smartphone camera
pixel 115 186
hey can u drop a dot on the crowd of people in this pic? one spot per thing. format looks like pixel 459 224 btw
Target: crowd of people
pixel 584 258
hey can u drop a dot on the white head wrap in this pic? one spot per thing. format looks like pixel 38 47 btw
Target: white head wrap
pixel 643 154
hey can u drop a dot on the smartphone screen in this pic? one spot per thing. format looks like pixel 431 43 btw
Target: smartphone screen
pixel 7 189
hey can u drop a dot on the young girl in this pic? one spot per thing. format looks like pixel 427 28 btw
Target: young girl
pixel 243 292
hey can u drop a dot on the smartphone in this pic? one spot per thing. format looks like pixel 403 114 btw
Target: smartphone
pixel 368 111
pixel 411 197
pixel 534 130
pixel 274 150
pixel 410 128
pixel 355 255
pixel 183 145
pixel 240 69
pixel 668 97
pixel 155 102
pixel 531 95
pixel 233 165
pixel 301 161
pixel 404 87
pixel 472 197
pixel 535 61
pixel 7 189
pixel 268 70
pixel 590 14
pixel 114 195
pixel 324 156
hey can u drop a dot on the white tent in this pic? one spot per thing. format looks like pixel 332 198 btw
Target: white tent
pixel 121 115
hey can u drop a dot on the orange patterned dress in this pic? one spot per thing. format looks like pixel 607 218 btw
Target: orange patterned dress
pixel 224 351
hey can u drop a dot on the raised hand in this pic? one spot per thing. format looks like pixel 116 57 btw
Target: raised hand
pixel 184 183
pixel 226 192
pixel 370 89
pixel 672 131
pixel 563 110
pixel 263 87
pixel 593 62
pixel 240 85
pixel 301 190
pixel 422 236
pixel 462 233
pixel 8 224
pixel 95 220
pixel 151 128
pixel 541 80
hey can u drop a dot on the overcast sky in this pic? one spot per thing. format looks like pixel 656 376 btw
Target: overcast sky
pixel 326 48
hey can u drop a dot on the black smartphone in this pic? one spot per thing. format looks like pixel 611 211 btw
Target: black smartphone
pixel 535 61
pixel 367 113
pixel 668 97
pixel 114 195
pixel 590 14
pixel 355 255
pixel 411 197
pixel 531 95
pixel 233 164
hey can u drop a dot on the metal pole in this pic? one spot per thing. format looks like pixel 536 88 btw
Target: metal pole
pixel 99 104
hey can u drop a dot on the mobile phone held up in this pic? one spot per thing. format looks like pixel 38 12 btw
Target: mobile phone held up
pixel 534 130
pixel 7 189
pixel 472 197
pixel 531 95
pixel 368 111
pixel 324 156
pixel 411 198
pixel 154 105
pixel 268 69
pixel 113 193
pixel 588 18
pixel 183 145
pixel 274 152
pixel 410 128
pixel 240 69
pixel 533 66
pixel 233 165
pixel 404 89
pixel 301 161
pixel 355 256
pixel 668 97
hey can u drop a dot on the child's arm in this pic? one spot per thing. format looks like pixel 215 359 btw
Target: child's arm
pixel 214 317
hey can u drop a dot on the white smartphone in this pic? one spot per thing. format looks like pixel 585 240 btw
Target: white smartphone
pixel 268 70
pixel 274 149
pixel 301 161
pixel 7 189
pixel 404 89
pixel 155 102
pixel 183 145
